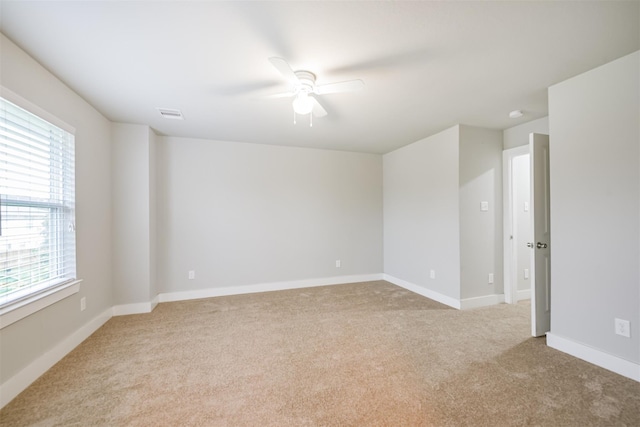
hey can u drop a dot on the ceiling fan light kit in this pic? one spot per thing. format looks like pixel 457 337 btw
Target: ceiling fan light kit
pixel 302 104
pixel 304 89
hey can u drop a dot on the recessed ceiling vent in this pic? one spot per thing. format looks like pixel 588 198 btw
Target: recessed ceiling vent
pixel 169 113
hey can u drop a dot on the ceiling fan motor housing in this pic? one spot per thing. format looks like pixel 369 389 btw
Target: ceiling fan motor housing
pixel 307 81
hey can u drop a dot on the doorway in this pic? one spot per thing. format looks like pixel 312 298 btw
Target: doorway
pixel 527 233
pixel 517 224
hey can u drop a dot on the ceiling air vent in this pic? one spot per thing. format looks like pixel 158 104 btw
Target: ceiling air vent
pixel 169 113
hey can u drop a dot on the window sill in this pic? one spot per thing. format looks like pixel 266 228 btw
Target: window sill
pixel 26 307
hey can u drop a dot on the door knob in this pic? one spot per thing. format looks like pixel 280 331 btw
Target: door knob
pixel 541 245
pixel 529 245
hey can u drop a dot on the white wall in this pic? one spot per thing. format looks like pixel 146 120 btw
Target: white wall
pixel 133 159
pixel 34 337
pixel 595 207
pixel 246 214
pixel 421 213
pixel 480 172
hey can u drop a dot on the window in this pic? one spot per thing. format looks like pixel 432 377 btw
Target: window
pixel 37 200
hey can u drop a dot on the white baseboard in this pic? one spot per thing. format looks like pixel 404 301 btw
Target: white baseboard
pixel 597 357
pixel 147 307
pixel 16 384
pixel 154 302
pixel 524 294
pixel 266 287
pixel 137 308
pixel 436 296
pixel 483 301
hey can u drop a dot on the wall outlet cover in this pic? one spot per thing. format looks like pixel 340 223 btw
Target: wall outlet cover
pixel 623 327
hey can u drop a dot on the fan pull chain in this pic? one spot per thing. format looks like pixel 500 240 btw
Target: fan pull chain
pixel 310 119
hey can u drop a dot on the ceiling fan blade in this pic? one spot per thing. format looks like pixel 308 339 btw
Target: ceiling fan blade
pixel 318 109
pixel 284 68
pixel 244 88
pixel 279 95
pixel 348 86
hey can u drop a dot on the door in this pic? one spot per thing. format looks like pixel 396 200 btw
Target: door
pixel 541 245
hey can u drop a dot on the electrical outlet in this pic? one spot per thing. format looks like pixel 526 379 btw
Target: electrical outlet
pixel 623 327
pixel 490 278
pixel 83 303
pixel 338 263
pixel 484 206
pixel 192 274
pixel 432 274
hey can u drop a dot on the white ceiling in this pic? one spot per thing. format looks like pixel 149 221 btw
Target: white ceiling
pixel 426 65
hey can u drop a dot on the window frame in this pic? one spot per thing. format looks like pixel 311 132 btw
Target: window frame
pixel 45 294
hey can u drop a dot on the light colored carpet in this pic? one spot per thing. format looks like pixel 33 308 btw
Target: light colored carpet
pixel 366 354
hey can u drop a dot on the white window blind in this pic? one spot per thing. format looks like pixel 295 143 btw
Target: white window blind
pixel 37 205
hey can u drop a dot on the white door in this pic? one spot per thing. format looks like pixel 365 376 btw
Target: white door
pixel 541 245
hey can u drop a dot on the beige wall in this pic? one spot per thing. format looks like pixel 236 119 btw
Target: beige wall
pixel 134 210
pixel 480 231
pixel 595 207
pixel 245 214
pixel 29 339
pixel 432 218
pixel 421 213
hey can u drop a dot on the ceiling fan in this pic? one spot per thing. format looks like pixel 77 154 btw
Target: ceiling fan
pixel 304 89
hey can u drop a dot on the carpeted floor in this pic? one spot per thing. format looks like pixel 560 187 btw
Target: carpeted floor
pixel 365 354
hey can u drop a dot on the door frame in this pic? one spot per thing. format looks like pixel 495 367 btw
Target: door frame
pixel 509 250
